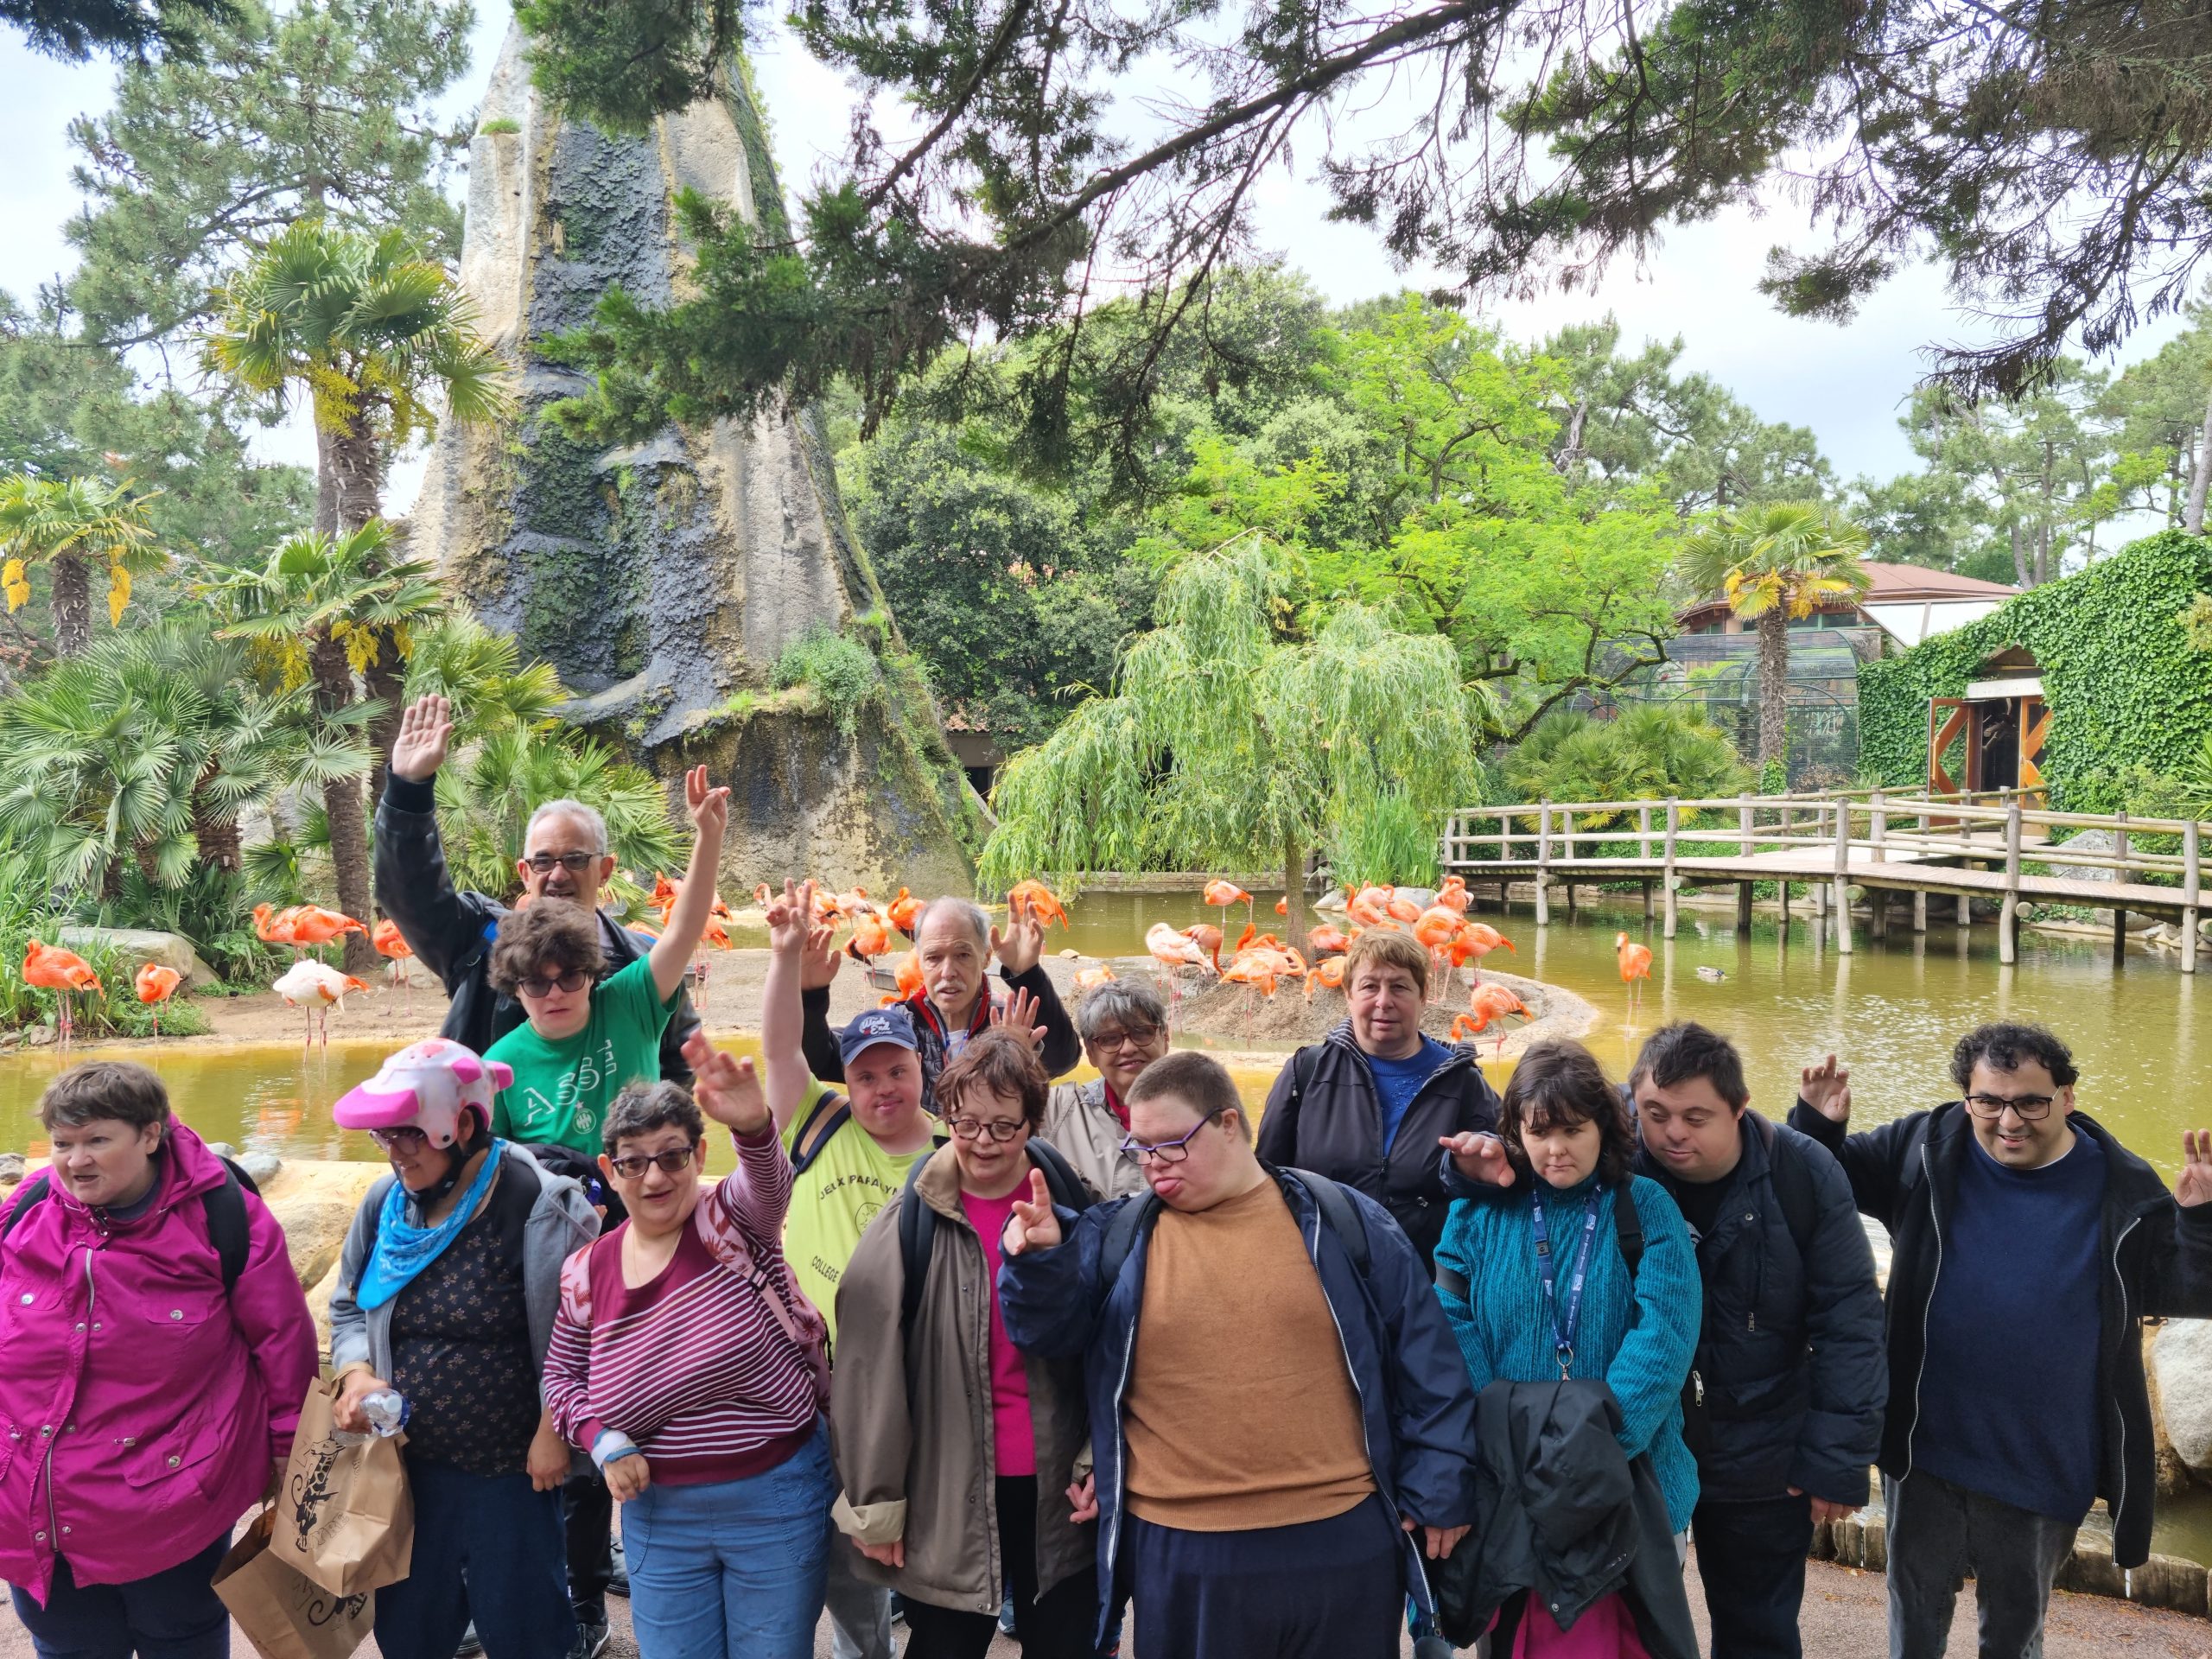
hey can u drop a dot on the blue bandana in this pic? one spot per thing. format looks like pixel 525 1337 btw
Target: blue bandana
pixel 402 1249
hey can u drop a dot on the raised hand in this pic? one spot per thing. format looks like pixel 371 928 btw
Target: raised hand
pixel 425 733
pixel 820 958
pixel 710 808
pixel 1479 1157
pixel 1021 943
pixel 728 1091
pixel 789 914
pixel 1827 1089
pixel 2195 1186
pixel 1019 1015
pixel 1033 1226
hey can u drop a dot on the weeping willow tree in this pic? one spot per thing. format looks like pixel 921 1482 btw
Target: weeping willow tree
pixel 1231 740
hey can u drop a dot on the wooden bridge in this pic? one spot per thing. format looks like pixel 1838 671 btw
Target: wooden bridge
pixel 2002 846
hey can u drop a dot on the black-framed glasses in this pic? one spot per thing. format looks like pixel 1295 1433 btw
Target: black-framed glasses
pixel 1166 1151
pixel 1108 1041
pixel 574 863
pixel 999 1130
pixel 407 1141
pixel 543 985
pixel 2031 1108
pixel 672 1162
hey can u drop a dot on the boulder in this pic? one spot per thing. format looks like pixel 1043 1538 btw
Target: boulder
pixel 261 1166
pixel 2089 841
pixel 314 1204
pixel 11 1168
pixel 2181 1378
pixel 142 946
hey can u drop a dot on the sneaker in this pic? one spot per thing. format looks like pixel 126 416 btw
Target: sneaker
pixel 618 1577
pixel 470 1644
pixel 591 1637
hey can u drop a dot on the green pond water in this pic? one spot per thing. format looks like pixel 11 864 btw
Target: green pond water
pixel 2140 1032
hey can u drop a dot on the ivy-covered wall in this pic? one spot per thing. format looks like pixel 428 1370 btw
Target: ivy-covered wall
pixel 2125 685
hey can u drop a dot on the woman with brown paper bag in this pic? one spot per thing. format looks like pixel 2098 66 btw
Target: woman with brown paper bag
pixel 157 1347
pixel 447 1287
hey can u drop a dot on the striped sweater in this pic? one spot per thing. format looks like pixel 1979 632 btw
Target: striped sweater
pixel 713 1368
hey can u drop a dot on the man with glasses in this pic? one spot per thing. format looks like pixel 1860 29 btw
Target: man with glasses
pixel 1124 1029
pixel 564 857
pixel 1283 1427
pixel 565 860
pixel 2028 1247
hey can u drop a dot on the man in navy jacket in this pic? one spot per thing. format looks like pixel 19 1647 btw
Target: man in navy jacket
pixel 1282 1427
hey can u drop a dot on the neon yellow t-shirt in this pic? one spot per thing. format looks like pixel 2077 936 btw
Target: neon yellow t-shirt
pixel 833 1198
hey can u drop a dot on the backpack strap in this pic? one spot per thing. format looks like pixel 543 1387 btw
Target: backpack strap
pixel 1129 1222
pixel 1793 1187
pixel 1628 1230
pixel 805 1150
pixel 228 1228
pixel 1340 1215
pixel 34 1191
pixel 918 1222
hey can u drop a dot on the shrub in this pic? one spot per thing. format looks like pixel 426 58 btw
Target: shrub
pixel 1646 753
pixel 843 672
pixel 1385 841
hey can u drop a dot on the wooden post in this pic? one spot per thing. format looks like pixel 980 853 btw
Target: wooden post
pixel 1744 824
pixel 1880 824
pixel 1667 877
pixel 1744 906
pixel 2119 876
pixel 1843 875
pixel 2008 917
pixel 1644 846
pixel 1567 854
pixel 1543 863
pixel 2189 896
pixel 1782 889
pixel 1920 909
pixel 1877 913
pixel 1646 885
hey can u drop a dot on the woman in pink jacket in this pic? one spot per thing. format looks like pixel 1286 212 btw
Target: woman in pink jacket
pixel 157 1348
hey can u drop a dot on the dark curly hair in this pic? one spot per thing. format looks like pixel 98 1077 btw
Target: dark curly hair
pixel 1559 1084
pixel 549 932
pixel 2003 1047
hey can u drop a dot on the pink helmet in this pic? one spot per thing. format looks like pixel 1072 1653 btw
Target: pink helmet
pixel 425 1086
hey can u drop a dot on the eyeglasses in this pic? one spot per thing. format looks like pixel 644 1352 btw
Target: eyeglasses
pixel 1108 1041
pixel 1166 1151
pixel 2031 1108
pixel 407 1141
pixel 672 1162
pixel 571 981
pixel 999 1128
pixel 574 863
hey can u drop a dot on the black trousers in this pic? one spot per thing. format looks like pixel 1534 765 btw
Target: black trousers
pixel 1752 1558
pixel 1062 1624
pixel 587 1515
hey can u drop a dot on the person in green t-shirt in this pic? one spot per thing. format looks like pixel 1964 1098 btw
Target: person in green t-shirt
pixel 585 1038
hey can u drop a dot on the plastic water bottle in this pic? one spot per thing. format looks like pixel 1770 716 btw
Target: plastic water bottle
pixel 386 1410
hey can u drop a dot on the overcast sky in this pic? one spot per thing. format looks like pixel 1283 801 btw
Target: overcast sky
pixel 1848 384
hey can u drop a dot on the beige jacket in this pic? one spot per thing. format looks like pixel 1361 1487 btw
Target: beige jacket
pixel 911 1418
pixel 1083 1129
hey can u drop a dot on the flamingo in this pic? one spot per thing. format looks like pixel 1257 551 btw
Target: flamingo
pixel 1634 964
pixel 1221 894
pixel 1330 972
pixel 907 974
pixel 1489 1004
pixel 315 927
pixel 1369 907
pixel 1401 910
pixel 1208 938
pixel 156 983
pixel 53 969
pixel 1171 950
pixel 1327 941
pixel 904 912
pixel 317 987
pixel 1090 979
pixel 870 938
pixel 1040 900
pixel 273 926
pixel 1437 929
pixel 1454 894
pixel 392 946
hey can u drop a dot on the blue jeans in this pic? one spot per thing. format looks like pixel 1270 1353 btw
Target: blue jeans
pixel 172 1614
pixel 733 1570
pixel 489 1549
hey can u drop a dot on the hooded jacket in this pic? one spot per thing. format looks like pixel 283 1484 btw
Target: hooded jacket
pixel 451 931
pixel 911 1415
pixel 1336 1130
pixel 1417 1409
pixel 142 1407
pixel 1563 1513
pixel 2158 1260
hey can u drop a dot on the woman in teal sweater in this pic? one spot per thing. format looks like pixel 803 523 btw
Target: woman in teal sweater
pixel 1567 1143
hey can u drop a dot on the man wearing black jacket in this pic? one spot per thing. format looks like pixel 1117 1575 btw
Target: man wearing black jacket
pixel 2028 1247
pixel 1784 1406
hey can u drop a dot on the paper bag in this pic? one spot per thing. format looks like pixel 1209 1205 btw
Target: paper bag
pixel 283 1615
pixel 344 1517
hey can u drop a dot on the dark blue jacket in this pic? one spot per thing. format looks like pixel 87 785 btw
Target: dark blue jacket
pixel 1415 1405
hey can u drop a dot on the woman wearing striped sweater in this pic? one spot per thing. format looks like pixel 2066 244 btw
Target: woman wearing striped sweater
pixel 688 1364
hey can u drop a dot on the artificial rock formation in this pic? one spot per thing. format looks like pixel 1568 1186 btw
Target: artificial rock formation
pixel 666 580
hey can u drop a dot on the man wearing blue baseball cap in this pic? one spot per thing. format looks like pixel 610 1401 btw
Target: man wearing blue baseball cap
pixel 850 1154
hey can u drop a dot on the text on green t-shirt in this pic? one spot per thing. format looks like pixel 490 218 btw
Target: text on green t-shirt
pixel 563 1086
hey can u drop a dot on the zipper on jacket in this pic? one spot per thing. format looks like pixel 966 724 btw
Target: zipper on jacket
pixel 2119 1414
pixel 52 1518
pixel 1121 1439
pixel 1927 1307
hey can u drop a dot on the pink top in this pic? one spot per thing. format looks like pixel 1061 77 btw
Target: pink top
pixel 1014 1441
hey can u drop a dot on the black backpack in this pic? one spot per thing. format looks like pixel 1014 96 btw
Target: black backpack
pixel 1339 1213
pixel 805 1152
pixel 224 1206
pixel 918 1222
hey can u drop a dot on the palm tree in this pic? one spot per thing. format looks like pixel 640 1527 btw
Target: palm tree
pixel 1775 563
pixel 373 330
pixel 486 796
pixel 71 524
pixel 325 609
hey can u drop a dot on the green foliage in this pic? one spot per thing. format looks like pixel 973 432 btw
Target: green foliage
pixel 74 29
pixel 212 907
pixel 1645 753
pixel 74 526
pixel 843 672
pixel 499 125
pixel 2125 685
pixel 624 62
pixel 1384 840
pixel 486 795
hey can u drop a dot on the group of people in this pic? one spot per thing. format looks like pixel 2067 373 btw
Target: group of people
pixel 959 1345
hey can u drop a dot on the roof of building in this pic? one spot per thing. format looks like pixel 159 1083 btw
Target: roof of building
pixel 1893 584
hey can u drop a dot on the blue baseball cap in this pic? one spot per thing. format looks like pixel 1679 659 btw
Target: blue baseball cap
pixel 892 1024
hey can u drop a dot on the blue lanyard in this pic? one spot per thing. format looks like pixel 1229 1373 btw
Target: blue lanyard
pixel 1563 1330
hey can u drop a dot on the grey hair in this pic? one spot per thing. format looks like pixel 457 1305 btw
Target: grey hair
pixel 587 816
pixel 1125 1002
pixel 641 1107
pixel 978 923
